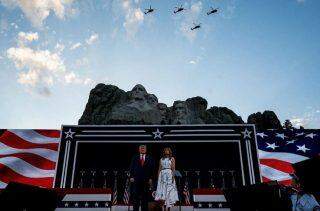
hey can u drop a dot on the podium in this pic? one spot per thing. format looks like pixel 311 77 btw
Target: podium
pixel 84 199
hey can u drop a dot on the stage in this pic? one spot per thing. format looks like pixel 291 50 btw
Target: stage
pixel 209 158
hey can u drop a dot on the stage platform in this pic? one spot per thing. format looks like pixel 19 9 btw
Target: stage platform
pixel 208 158
pixel 101 199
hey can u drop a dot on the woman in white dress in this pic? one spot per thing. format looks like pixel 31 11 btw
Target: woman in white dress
pixel 166 187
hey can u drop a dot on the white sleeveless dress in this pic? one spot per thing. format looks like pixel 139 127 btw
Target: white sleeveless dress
pixel 166 188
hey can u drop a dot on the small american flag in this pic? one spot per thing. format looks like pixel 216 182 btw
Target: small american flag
pixel 28 156
pixel 126 194
pixel 186 193
pixel 115 191
pixel 278 150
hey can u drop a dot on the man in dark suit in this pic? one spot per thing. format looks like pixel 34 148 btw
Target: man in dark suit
pixel 141 175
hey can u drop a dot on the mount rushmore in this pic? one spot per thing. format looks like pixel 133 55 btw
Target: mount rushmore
pixel 109 104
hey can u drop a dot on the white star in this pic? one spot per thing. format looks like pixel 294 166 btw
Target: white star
pixel 291 142
pixel 272 146
pixel 76 204
pixel 281 135
pixel 86 204
pixel 262 135
pixel 300 134
pixel 302 148
pixel 199 205
pixel 246 133
pixel 66 204
pixel 69 133
pixel 157 134
pixel 311 135
pixel 220 205
pixel 96 204
pixel 210 205
pixel 106 204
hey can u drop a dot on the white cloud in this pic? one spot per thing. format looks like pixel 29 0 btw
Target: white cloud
pixel 88 81
pixel 40 69
pixel 38 10
pixel 189 18
pixel 89 41
pixel 133 20
pixel 71 77
pixel 195 60
pixel 129 12
pixel 93 38
pixel 310 118
pixel 59 48
pixel 75 46
pixel 297 122
pixel 82 62
pixel 196 8
pixel 14 25
pixel 24 38
pixel 41 66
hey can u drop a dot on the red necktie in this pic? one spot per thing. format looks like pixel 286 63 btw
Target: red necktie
pixel 142 160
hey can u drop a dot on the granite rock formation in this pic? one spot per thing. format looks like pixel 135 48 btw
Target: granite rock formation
pixel 108 104
pixel 265 120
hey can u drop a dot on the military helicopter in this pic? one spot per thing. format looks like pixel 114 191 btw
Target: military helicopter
pixel 178 9
pixel 149 10
pixel 196 26
pixel 212 11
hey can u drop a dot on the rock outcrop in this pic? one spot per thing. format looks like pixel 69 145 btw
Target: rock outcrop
pixel 108 104
pixel 222 115
pixel 265 120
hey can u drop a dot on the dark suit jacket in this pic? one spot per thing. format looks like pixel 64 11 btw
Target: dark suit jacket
pixel 142 173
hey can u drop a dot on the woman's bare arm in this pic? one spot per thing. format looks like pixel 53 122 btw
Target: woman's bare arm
pixel 173 164
pixel 159 168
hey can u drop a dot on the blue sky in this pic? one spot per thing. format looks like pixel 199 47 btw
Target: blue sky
pixel 251 56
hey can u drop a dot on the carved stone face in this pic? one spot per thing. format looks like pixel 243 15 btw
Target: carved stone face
pixel 163 109
pixel 138 92
pixel 180 110
pixel 152 99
